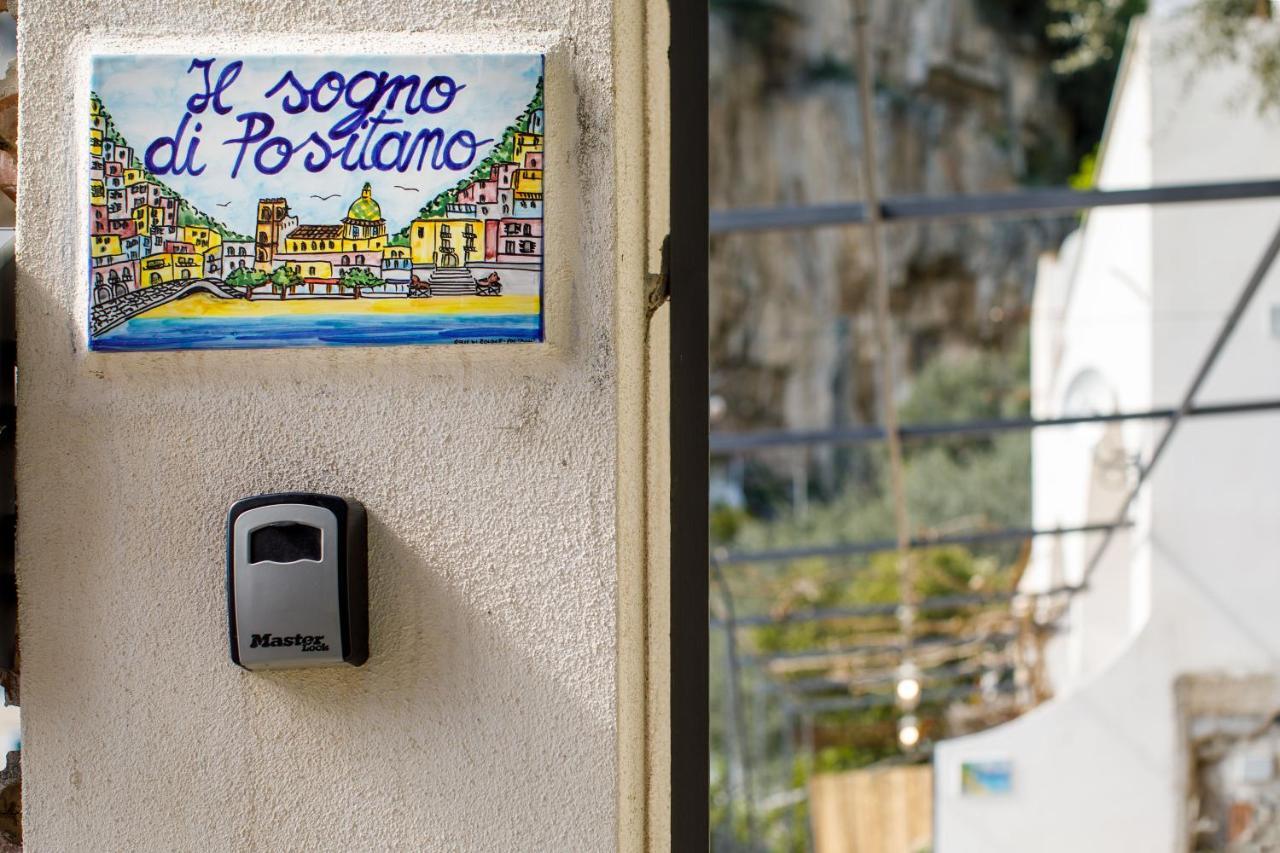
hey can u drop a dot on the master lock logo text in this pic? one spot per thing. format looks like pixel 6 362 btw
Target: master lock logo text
pixel 307 643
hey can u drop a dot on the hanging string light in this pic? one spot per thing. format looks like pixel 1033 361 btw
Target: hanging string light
pixel 908 687
pixel 908 731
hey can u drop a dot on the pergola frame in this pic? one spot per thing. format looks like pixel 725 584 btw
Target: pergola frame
pixel 691 445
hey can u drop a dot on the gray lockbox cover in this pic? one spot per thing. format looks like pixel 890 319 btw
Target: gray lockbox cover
pixel 287 587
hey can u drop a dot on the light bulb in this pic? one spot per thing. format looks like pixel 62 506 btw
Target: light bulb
pixel 908 689
pixel 908 731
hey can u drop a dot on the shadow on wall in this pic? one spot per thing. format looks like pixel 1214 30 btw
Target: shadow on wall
pixel 450 716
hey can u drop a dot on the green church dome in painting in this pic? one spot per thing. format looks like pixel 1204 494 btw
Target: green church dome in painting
pixel 365 209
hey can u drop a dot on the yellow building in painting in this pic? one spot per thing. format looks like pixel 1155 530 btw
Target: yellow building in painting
pixel 362 230
pixel 526 143
pixel 314 240
pixel 146 217
pixel 446 242
pixel 95 130
pixel 169 266
pixel 527 183
pixel 308 268
pixel 104 246
pixel 203 239
pixel 97 192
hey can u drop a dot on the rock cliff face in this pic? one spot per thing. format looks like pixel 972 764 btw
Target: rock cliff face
pixel 964 103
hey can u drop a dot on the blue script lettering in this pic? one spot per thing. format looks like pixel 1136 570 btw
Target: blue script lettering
pixel 364 92
pixel 199 101
pixel 161 156
pixel 365 134
pixel 371 147
pixel 257 126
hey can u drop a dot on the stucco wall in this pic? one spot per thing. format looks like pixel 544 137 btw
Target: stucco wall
pixel 1104 765
pixel 1096 291
pixel 486 716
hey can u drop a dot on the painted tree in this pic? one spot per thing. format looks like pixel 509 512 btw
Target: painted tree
pixel 284 279
pixel 246 280
pixel 358 279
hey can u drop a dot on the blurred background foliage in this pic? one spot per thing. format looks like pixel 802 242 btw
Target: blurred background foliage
pixel 824 495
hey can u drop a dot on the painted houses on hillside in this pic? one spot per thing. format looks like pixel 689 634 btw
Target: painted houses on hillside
pixel 136 235
pixel 494 219
pixel 136 239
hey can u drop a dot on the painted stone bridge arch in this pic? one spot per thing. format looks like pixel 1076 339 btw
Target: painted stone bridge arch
pixel 105 316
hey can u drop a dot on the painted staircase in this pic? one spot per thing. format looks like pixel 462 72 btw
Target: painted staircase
pixel 452 281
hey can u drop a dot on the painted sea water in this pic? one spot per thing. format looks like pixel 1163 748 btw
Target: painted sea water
pixel 293 330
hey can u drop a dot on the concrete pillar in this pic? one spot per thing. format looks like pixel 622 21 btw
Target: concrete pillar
pixel 505 704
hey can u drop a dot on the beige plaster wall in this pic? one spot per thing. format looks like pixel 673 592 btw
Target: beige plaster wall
pixel 501 519
pixel 643 478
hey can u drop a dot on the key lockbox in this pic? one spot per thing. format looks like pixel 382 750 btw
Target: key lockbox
pixel 297 581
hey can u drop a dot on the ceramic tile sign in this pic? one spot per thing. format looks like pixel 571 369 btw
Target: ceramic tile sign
pixel 286 201
pixel 986 778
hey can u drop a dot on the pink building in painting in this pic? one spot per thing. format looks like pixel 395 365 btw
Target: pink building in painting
pixel 114 279
pixel 518 241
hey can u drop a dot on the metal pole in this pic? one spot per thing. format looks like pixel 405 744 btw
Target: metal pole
pixel 830 613
pixel 738 443
pixel 811 763
pixel 759 731
pixel 853 703
pixel 819 685
pixel 688 145
pixel 847 651
pixel 8 455
pixel 789 759
pixel 1229 324
pixel 739 759
pixel 851 549
pixel 1055 201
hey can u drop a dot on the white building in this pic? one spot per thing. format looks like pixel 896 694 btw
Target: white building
pixel 236 254
pixel 1191 594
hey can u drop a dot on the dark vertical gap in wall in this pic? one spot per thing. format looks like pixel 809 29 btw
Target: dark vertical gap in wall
pixel 689 385
pixel 11 774
pixel 8 501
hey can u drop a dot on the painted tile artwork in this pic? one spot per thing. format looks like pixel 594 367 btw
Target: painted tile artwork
pixel 985 778
pixel 285 201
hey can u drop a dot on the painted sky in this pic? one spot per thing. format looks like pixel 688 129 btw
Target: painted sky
pixel 146 96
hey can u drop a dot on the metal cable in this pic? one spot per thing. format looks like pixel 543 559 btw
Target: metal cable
pixel 883 331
